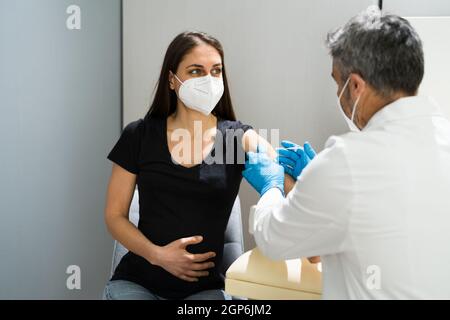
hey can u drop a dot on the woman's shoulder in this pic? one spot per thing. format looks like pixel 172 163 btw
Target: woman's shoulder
pixel 134 126
pixel 143 125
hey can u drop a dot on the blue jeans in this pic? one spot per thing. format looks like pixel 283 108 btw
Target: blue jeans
pixel 127 290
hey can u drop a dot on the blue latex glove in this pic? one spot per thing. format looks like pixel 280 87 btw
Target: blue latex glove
pixel 262 172
pixel 294 158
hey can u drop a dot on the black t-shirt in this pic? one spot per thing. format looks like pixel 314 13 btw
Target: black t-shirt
pixel 177 202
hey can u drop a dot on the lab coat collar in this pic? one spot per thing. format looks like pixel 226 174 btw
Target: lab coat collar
pixel 404 108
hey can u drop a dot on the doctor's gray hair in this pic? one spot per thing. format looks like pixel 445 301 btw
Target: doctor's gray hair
pixel 384 49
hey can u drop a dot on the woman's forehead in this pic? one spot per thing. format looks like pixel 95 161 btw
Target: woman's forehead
pixel 202 54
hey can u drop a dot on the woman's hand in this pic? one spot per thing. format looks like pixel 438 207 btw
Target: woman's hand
pixel 175 259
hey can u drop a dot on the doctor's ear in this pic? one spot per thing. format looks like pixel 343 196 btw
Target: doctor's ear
pixel 357 85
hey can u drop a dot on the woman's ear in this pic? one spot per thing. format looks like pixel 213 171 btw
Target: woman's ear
pixel 357 86
pixel 171 81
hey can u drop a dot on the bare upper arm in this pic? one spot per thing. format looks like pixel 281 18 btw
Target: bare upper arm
pixel 120 192
pixel 250 141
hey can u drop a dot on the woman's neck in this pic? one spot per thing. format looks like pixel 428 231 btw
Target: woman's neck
pixel 186 118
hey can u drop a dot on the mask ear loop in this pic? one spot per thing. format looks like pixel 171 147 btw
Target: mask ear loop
pixel 354 108
pixel 354 105
pixel 343 88
pixel 176 77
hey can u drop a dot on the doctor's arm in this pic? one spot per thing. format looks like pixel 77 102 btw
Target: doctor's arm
pixel 312 219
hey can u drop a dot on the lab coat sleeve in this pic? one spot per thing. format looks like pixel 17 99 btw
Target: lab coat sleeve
pixel 313 219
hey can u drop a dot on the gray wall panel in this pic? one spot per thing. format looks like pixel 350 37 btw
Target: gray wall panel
pixel 60 106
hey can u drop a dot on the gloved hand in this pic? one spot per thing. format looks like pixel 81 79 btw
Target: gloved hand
pixel 262 172
pixel 294 158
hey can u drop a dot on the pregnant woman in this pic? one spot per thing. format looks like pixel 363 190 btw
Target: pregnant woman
pixel 188 176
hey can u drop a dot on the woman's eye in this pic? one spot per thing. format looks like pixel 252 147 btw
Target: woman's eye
pixel 195 72
pixel 216 71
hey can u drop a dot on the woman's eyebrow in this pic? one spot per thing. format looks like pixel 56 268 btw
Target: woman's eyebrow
pixel 200 66
pixel 195 65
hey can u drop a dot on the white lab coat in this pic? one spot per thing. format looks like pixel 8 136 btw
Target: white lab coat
pixel 375 205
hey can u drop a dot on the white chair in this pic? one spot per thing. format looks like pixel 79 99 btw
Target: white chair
pixel 255 276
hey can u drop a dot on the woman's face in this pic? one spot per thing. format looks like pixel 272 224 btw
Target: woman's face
pixel 201 61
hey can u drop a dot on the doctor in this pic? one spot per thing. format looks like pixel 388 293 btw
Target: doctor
pixel 375 203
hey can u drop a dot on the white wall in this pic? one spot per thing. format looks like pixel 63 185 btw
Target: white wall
pixel 278 67
pixel 435 35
